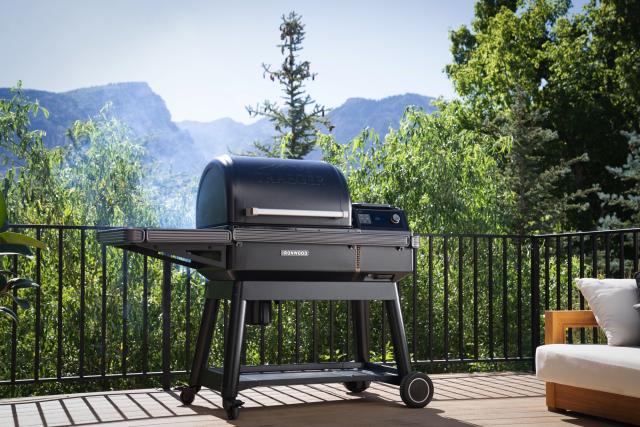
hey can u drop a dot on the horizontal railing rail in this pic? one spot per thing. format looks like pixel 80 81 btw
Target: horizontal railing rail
pixel 474 301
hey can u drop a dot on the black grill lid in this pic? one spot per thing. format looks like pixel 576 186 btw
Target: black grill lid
pixel 239 190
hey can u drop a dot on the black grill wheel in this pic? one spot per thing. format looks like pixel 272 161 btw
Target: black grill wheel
pixel 416 390
pixel 357 386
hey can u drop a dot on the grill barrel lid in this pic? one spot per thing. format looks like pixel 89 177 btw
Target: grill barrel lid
pixel 239 190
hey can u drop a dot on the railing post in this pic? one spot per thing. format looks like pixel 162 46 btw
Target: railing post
pixel 535 297
pixel 166 325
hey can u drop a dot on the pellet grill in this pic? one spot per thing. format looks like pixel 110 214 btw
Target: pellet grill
pixel 280 230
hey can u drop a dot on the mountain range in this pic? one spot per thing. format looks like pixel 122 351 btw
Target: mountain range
pixel 186 146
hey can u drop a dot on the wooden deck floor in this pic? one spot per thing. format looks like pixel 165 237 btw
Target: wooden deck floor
pixel 460 400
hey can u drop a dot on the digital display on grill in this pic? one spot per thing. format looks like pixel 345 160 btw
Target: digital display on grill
pixel 378 217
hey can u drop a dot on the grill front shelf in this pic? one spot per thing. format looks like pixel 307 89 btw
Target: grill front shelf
pixel 305 374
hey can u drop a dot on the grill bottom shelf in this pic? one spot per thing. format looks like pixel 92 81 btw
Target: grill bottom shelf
pixel 213 376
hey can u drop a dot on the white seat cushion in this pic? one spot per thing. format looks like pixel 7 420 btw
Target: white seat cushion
pixel 591 366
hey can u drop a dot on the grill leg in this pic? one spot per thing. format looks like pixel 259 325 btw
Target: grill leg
pixel 232 352
pixel 360 311
pixel 203 345
pixel 400 349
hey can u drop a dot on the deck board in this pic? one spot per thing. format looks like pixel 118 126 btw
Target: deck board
pixel 510 399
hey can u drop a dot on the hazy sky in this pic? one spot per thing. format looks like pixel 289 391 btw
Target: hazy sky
pixel 204 57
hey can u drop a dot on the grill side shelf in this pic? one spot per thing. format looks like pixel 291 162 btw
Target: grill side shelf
pixel 159 235
pixel 121 236
pixel 133 236
pixel 326 237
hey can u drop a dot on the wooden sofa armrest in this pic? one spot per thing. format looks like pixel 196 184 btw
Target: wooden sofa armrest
pixel 558 321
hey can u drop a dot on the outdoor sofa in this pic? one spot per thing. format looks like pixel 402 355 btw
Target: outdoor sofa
pixel 596 379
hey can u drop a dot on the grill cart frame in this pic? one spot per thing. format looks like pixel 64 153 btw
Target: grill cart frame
pixel 233 377
pixel 186 247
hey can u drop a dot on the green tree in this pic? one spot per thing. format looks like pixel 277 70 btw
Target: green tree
pixel 581 68
pixel 15 140
pixel 104 176
pixel 298 122
pixel 503 50
pixel 106 171
pixel 629 201
pixel 533 184
pixel 15 136
pixel 464 41
pixel 593 93
pixel 30 181
pixel 442 173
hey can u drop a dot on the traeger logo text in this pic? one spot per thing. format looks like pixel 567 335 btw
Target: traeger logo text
pixel 294 252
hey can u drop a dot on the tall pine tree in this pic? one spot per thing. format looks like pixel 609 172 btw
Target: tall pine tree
pixel 298 121
pixel 533 204
pixel 625 208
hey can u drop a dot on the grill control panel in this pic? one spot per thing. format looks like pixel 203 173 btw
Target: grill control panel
pixel 369 216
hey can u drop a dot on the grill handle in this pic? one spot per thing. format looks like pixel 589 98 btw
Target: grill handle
pixel 296 213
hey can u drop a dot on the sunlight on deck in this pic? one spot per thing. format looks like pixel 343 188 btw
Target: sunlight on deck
pixel 460 400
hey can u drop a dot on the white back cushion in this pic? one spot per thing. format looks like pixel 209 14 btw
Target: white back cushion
pixel 612 301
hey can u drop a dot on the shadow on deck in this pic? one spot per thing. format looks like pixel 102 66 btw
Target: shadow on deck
pixel 460 400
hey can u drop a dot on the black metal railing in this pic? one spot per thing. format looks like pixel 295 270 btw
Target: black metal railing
pixel 474 301
pixel 475 288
